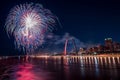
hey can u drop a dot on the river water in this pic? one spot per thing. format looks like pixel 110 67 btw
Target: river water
pixel 76 68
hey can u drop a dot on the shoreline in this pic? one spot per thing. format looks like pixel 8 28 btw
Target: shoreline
pixel 55 56
pixel 75 56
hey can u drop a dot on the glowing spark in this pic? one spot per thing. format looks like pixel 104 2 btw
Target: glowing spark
pixel 28 24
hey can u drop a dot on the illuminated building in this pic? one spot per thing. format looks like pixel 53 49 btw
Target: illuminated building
pixel 101 48
pixel 116 46
pixel 108 45
pixel 82 51
pixel 95 49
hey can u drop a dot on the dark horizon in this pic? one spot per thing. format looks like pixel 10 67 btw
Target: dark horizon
pixel 88 21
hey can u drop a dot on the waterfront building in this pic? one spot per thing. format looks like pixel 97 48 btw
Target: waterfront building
pixel 108 47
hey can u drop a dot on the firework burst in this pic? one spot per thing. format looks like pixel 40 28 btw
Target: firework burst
pixel 28 24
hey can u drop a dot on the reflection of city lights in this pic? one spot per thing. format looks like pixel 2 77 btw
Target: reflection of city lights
pixel 105 60
pixel 118 60
pixel 113 60
pixel 109 60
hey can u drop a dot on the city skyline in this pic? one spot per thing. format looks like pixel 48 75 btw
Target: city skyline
pixel 88 21
pixel 109 47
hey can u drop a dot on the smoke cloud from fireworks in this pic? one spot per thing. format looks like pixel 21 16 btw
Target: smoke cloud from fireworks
pixel 56 43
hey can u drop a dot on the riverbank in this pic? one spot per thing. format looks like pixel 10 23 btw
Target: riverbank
pixel 59 56
pixel 103 55
pixel 75 56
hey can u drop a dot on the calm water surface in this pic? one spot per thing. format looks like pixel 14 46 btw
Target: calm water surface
pixel 76 68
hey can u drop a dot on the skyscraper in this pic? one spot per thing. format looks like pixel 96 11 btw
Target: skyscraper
pixel 109 45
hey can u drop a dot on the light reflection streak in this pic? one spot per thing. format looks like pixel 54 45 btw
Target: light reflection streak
pixel 105 60
pixel 109 60
pixel 82 66
pixel 118 60
pixel 96 66
pixel 101 60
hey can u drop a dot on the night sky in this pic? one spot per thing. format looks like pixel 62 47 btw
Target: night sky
pixel 87 20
